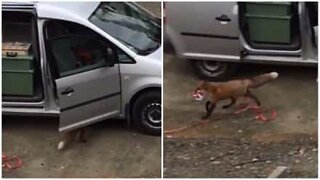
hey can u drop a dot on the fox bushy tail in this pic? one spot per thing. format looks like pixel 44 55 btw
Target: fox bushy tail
pixel 262 79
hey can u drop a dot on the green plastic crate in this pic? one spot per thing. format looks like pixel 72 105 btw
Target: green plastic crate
pixel 17 63
pixel 269 29
pixel 269 8
pixel 17 82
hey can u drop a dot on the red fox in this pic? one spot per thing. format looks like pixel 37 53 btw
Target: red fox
pixel 230 90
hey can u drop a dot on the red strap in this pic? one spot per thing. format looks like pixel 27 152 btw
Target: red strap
pixel 6 162
pixel 260 115
pixel 195 123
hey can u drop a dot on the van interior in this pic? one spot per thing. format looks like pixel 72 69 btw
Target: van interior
pixel 20 27
pixel 283 27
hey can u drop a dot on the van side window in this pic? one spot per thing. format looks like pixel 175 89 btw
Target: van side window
pixel 124 58
pixel 74 48
pixel 76 54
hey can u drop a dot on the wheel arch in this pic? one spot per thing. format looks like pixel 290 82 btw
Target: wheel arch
pixel 129 106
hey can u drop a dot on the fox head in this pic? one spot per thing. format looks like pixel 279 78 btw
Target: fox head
pixel 200 91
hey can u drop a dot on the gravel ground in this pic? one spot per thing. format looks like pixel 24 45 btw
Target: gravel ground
pixel 229 158
pixel 289 140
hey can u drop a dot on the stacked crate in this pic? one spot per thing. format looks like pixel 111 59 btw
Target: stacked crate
pixel 17 69
pixel 269 22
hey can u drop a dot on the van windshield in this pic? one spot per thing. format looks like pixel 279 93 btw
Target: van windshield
pixel 129 24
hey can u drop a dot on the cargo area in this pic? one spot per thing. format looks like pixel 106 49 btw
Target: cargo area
pixel 21 73
pixel 275 25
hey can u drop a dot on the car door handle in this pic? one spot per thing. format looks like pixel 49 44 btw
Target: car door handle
pixel 67 91
pixel 223 18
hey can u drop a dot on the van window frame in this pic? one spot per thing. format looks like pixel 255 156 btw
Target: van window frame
pixel 96 65
pixel 53 66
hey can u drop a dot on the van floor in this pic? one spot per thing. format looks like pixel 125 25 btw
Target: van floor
pixel 227 147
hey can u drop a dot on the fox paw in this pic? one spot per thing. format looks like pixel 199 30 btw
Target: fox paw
pixel 61 145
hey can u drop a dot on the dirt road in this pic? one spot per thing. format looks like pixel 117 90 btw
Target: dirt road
pixel 223 147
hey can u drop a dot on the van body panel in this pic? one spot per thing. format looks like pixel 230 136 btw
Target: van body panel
pixel 145 74
pixel 265 59
pixel 27 111
pixel 199 29
pixel 51 102
pixel 195 34
pixel 59 9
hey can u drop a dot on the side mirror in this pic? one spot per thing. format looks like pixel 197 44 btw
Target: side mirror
pixel 111 57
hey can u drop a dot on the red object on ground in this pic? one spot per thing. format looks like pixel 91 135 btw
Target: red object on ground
pixel 257 109
pixel 260 115
pixel 13 162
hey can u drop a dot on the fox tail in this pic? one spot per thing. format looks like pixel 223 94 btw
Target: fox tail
pixel 262 79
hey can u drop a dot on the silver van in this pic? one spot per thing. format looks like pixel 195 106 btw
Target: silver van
pixel 88 61
pixel 216 36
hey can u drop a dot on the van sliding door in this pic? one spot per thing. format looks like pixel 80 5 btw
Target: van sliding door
pixel 209 30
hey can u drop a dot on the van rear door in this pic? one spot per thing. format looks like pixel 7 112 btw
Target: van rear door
pixel 207 30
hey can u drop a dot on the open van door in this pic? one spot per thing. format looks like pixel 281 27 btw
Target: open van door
pixel 90 92
pixel 207 30
pixel 86 73
pixel 88 97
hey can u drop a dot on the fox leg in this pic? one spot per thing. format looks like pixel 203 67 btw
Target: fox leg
pixel 66 139
pixel 232 102
pixel 82 135
pixel 249 94
pixel 209 108
pixel 208 105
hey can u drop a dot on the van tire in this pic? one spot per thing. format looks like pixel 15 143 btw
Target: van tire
pixel 145 108
pixel 213 70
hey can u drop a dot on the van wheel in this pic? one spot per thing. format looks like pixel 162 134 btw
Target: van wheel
pixel 146 113
pixel 213 70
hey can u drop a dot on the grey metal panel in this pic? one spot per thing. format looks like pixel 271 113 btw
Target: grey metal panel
pixel 195 29
pixel 89 113
pixel 286 60
pixel 214 46
pixel 199 17
pixel 96 94
pixel 27 111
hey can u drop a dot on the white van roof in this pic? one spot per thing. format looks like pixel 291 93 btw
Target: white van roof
pixel 57 9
